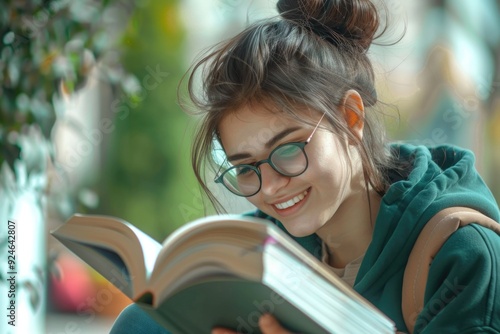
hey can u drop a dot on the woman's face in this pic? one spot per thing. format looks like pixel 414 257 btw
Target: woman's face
pixel 251 133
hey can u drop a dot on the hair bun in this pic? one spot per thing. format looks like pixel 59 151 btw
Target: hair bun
pixel 335 20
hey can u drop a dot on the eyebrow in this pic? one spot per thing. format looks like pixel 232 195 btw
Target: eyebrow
pixel 270 143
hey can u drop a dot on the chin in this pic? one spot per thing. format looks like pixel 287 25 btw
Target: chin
pixel 294 227
pixel 298 231
pixel 301 235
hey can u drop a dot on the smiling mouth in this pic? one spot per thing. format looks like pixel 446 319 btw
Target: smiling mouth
pixel 291 202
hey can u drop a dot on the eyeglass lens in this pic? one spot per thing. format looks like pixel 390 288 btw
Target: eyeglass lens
pixel 288 160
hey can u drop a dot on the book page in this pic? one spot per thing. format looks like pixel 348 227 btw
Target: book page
pixel 249 231
pixel 304 287
pixel 203 262
pixel 117 250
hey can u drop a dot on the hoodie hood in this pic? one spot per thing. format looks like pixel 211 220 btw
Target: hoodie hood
pixel 434 179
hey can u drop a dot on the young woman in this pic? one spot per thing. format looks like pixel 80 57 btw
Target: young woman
pixel 292 103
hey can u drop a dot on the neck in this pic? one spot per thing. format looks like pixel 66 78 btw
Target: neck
pixel 349 232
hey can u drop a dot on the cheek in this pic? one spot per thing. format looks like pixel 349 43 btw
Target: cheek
pixel 330 164
pixel 258 202
pixel 253 200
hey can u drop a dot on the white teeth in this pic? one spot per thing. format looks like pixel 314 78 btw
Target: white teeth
pixel 292 201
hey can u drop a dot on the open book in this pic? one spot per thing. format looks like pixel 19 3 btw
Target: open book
pixel 221 270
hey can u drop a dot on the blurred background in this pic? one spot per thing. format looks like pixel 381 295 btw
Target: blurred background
pixel 90 121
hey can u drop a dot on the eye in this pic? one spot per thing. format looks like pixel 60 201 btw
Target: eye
pixel 243 170
pixel 288 150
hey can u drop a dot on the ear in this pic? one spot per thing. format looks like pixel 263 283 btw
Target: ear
pixel 354 112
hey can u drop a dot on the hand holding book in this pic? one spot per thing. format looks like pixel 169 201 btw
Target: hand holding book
pixel 267 324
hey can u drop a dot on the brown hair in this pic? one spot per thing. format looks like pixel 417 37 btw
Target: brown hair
pixel 309 55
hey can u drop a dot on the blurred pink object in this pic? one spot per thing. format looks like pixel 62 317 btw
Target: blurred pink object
pixel 70 291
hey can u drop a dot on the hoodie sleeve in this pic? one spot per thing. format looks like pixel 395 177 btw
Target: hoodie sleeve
pixel 133 320
pixel 463 288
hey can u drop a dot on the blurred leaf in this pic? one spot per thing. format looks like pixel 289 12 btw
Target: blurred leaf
pixel 42 43
pixel 40 274
pixel 9 153
pixel 23 102
pixel 34 294
pixel 53 267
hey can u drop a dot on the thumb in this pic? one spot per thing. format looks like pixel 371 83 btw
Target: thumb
pixel 269 325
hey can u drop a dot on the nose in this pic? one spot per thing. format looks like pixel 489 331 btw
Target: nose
pixel 272 181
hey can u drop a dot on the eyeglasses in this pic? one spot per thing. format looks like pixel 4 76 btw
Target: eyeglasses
pixel 288 159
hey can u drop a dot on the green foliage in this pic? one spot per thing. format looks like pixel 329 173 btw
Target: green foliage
pixel 148 179
pixel 47 50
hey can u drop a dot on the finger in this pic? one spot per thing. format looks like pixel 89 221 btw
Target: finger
pixel 220 330
pixel 269 325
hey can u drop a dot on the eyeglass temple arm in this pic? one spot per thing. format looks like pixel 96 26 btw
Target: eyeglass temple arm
pixel 315 128
pixel 217 174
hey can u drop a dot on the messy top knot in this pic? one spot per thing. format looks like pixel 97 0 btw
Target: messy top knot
pixel 334 20
pixel 307 58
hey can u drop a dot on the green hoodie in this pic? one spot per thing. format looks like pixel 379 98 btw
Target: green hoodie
pixel 463 288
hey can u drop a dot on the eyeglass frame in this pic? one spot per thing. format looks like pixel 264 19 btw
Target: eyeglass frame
pixel 255 167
